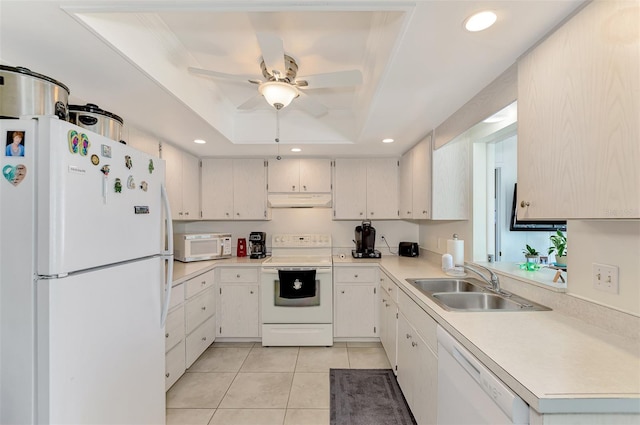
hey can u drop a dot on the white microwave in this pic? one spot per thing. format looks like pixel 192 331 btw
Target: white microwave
pixel 201 246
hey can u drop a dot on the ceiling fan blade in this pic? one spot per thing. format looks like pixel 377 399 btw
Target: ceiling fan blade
pixel 254 102
pixel 309 105
pixel 272 49
pixel 333 79
pixel 223 76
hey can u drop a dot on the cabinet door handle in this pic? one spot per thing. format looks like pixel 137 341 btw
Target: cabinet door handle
pixel 386 305
pixel 166 335
pixel 413 344
pixel 424 211
pixel 408 336
pixel 371 213
pixel 238 276
pixel 167 374
pixel 361 214
pixel 305 188
pixel 525 204
pixel 180 213
pixel 342 292
pixel 408 212
pixel 204 282
pixel 227 214
pixel 238 214
pixel 293 187
pixel 204 307
pixel 186 213
pixel 204 338
pixel 355 276
pixel 384 301
pixel 251 292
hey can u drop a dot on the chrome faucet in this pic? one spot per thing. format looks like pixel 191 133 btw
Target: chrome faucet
pixel 493 282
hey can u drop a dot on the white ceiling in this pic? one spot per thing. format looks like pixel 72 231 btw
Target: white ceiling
pixel 130 57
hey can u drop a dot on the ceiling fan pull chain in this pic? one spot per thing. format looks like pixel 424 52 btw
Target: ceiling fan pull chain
pixel 278 133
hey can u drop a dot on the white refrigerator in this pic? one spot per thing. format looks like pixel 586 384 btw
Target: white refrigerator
pixel 84 277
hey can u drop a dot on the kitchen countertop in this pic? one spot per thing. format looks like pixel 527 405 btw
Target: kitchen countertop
pixel 185 271
pixel 556 363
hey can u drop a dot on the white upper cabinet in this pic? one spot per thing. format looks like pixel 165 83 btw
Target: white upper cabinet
pixel 451 180
pixel 579 119
pixel 234 189
pixel 182 182
pixel 366 188
pixel 415 181
pixel 300 175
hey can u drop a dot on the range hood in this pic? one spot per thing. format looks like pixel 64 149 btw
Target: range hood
pixel 299 200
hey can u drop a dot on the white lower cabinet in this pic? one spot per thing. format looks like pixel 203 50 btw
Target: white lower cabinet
pixel 190 326
pixel 355 302
pixel 174 365
pixel 417 361
pixel 388 320
pixel 238 303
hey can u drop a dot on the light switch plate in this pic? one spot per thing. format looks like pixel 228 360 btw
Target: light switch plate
pixel 605 278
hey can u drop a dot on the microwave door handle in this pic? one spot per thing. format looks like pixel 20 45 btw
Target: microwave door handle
pixel 168 256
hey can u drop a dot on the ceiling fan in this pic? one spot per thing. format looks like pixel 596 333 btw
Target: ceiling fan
pixel 281 84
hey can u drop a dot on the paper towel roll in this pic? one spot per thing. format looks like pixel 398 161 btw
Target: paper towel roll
pixel 455 247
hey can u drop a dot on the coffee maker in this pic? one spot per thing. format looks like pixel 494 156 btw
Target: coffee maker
pixel 365 241
pixel 258 243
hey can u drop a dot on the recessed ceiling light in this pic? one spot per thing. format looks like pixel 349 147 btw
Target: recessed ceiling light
pixel 296 150
pixel 388 140
pixel 200 141
pixel 480 21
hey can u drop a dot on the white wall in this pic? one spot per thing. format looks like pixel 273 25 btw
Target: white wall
pixel 434 235
pixel 609 242
pixel 310 220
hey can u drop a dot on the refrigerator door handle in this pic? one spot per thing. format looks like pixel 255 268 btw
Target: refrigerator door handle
pixel 168 254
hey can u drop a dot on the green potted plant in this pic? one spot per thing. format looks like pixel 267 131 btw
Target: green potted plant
pixel 531 254
pixel 559 241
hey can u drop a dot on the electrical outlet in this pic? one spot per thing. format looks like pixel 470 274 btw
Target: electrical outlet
pixel 605 278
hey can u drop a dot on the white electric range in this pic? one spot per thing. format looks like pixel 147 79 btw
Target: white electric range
pixel 297 291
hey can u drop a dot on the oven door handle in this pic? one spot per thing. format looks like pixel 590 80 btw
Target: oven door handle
pixel 276 270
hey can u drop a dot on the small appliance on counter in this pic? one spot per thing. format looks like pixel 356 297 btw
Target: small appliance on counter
pixel 365 241
pixel 189 247
pixel 242 248
pixel 258 241
pixel 408 249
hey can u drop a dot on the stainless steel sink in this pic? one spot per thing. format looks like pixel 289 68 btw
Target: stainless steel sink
pixel 470 294
pixel 431 286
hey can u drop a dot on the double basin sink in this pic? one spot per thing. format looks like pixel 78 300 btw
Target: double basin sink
pixel 471 294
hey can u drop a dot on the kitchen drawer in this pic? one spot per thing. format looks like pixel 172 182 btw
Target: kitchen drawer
pixel 174 329
pixel 389 286
pixel 424 324
pixel 199 284
pixel 356 274
pixel 174 365
pixel 177 296
pixel 199 309
pixel 238 274
pixel 199 340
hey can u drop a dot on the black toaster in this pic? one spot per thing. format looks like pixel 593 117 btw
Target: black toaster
pixel 408 249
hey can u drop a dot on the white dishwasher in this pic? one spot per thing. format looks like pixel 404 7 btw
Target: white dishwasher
pixel 468 393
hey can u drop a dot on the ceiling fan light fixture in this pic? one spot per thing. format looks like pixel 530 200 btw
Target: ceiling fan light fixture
pixel 480 21
pixel 278 94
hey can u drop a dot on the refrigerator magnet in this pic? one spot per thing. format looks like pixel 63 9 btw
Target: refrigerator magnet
pixel 105 169
pixel 127 161
pixel 94 159
pixel 106 151
pixel 84 144
pixel 117 186
pixel 15 143
pixel 74 141
pixel 14 175
pixel 131 184
pixel 151 168
pixel 144 186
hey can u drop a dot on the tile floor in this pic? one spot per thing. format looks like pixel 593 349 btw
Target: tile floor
pixel 245 383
